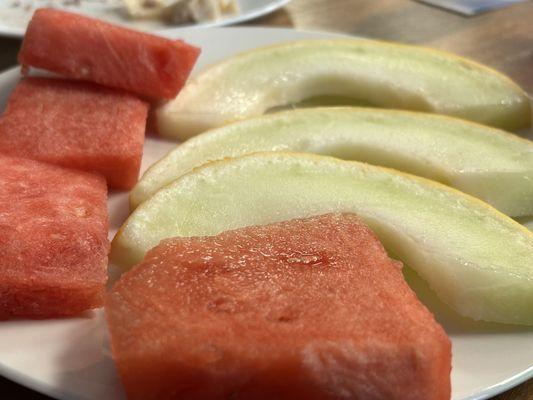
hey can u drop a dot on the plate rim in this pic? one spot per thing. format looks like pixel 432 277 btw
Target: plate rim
pixel 503 386
pixel 272 6
pixel 36 385
pixel 44 388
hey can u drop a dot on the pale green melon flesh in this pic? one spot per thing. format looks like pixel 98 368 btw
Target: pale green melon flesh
pixel 476 259
pixel 384 74
pixel 485 162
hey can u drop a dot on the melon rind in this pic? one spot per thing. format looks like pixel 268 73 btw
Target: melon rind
pixel 487 163
pixel 378 73
pixel 476 259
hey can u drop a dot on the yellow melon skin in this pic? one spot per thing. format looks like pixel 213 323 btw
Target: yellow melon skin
pixel 476 259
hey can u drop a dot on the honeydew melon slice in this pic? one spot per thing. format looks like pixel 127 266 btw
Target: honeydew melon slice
pixel 379 73
pixel 476 259
pixel 488 163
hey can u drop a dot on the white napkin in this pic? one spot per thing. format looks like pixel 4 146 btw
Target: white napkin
pixel 470 7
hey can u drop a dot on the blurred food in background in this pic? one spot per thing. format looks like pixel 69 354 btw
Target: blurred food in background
pixel 180 11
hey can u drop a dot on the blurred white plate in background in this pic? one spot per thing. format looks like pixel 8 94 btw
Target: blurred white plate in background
pixel 15 14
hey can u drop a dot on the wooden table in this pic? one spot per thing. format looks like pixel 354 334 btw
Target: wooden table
pixel 502 39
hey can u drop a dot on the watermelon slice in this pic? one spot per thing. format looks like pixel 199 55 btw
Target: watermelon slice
pixel 305 309
pixel 85 48
pixel 53 240
pixel 78 125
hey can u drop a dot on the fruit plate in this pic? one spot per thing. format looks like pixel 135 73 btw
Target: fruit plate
pixel 70 358
pixel 15 14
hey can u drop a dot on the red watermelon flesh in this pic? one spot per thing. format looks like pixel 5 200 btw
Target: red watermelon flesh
pixel 78 125
pixel 305 309
pixel 53 240
pixel 85 48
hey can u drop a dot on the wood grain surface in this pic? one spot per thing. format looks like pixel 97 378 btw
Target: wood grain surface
pixel 502 39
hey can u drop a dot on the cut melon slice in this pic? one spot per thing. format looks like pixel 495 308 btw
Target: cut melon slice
pixel 81 47
pixel 309 309
pixel 476 259
pixel 488 163
pixel 378 73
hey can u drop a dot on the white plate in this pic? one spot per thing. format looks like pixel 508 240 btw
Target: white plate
pixel 70 358
pixel 14 19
